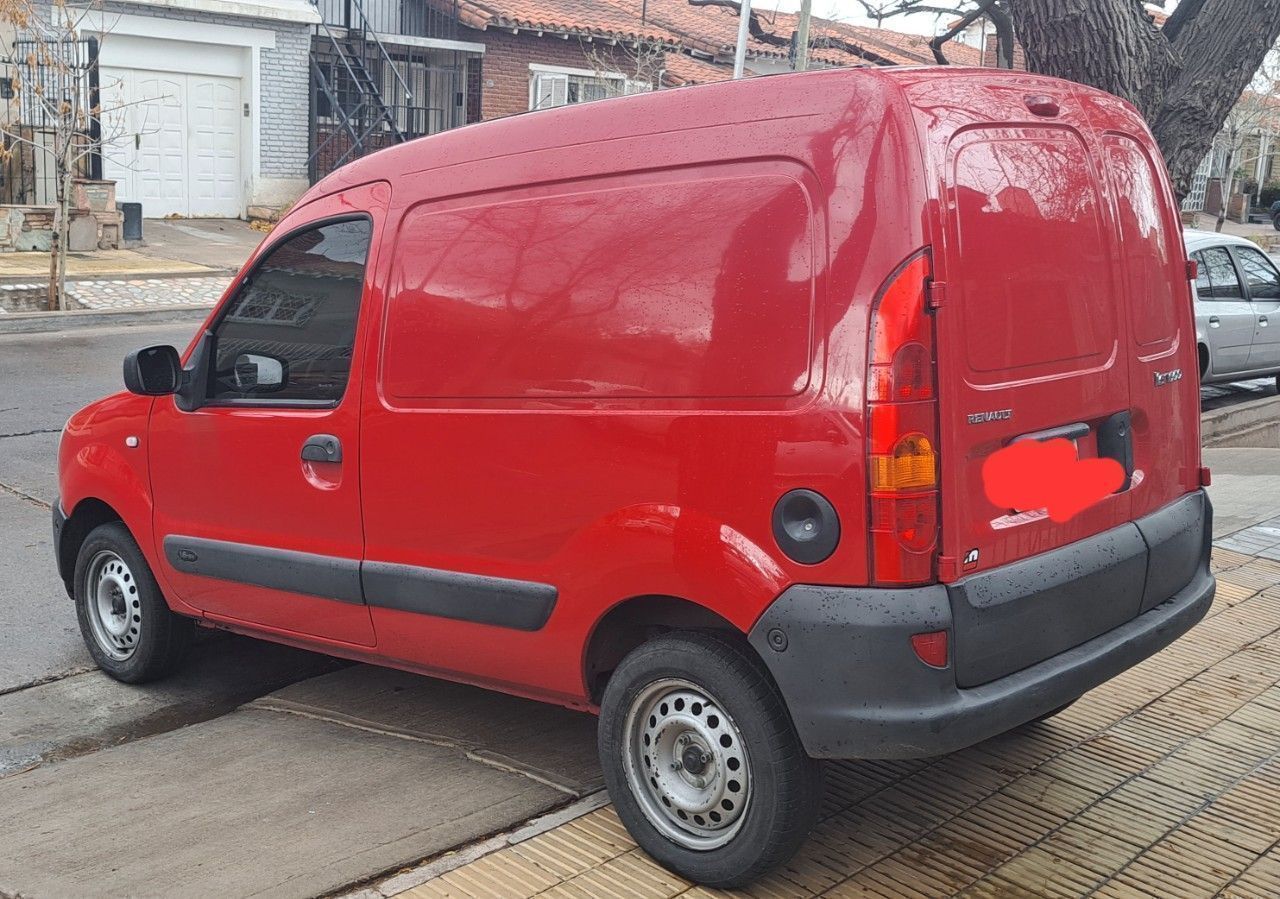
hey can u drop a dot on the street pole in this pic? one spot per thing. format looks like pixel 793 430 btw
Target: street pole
pixel 802 36
pixel 744 31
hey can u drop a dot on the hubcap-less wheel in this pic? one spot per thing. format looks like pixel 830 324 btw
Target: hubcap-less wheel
pixel 687 764
pixel 115 612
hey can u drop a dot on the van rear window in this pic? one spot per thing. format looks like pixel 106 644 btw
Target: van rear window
pixel 1150 256
pixel 1034 278
pixel 666 289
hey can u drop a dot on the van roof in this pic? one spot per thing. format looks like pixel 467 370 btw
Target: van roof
pixel 786 95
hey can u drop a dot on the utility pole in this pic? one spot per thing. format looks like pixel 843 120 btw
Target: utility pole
pixel 802 36
pixel 744 31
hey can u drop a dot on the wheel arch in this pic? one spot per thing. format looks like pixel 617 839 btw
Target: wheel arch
pixel 635 620
pixel 1202 356
pixel 88 514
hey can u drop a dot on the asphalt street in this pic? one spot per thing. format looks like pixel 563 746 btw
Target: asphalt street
pixel 44 378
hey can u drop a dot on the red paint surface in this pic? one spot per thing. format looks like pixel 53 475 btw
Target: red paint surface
pixel 1047 475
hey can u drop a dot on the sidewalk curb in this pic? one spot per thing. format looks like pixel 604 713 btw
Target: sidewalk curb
pixel 465 855
pixel 42 322
pixel 1221 424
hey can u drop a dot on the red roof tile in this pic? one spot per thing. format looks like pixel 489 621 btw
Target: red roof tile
pixel 709 30
pixel 594 17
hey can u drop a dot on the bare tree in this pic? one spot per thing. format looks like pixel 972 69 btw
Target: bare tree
pixel 642 65
pixel 52 56
pixel 958 15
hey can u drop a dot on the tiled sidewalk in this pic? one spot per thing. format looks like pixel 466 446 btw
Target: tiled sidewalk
pixel 1163 783
pixel 128 293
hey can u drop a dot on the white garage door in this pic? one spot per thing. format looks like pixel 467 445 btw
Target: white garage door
pixel 173 141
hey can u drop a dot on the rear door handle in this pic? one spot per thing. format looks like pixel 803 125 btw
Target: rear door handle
pixel 1073 431
pixel 1214 321
pixel 1262 320
pixel 322 448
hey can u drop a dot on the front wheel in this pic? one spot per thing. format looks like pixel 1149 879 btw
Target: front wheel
pixel 702 761
pixel 124 620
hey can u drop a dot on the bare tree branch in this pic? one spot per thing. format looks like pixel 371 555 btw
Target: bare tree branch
pixel 968 19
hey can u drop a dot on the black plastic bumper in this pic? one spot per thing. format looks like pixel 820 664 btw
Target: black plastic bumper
pixel 842 656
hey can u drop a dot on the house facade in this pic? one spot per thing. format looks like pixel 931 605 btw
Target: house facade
pixel 203 103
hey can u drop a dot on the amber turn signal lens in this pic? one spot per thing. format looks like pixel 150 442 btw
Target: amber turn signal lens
pixel 912 465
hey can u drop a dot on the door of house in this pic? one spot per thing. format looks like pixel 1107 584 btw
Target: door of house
pixel 173 141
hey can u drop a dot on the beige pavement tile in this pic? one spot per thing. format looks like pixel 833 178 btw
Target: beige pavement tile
pixel 1226 559
pixel 1262 878
pixel 1040 873
pixel 630 876
pixel 1201 768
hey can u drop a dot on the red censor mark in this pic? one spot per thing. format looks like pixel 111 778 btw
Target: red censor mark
pixel 1047 475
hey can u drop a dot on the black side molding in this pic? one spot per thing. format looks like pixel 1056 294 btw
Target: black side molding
pixel 521 605
pixel 501 602
pixel 328 577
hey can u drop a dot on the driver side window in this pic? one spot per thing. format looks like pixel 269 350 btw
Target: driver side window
pixel 287 335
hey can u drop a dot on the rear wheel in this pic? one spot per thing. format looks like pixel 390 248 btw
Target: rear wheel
pixel 702 761
pixel 124 620
pixel 1275 221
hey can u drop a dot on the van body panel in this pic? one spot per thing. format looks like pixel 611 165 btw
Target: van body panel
pixel 651 449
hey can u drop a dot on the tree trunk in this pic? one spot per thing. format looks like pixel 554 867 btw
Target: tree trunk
pixel 1184 79
pixel 64 235
pixel 1228 185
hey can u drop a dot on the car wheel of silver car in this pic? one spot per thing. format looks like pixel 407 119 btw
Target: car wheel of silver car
pixel 702 760
pixel 124 620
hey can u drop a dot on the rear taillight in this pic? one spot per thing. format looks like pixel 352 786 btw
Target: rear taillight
pixel 902 469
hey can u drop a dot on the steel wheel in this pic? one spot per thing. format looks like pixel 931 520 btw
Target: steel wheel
pixel 687 764
pixel 114 608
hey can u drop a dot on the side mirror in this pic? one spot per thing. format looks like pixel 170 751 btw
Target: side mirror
pixel 153 371
pixel 260 373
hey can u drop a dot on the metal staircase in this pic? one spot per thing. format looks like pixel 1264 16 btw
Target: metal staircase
pixel 350 67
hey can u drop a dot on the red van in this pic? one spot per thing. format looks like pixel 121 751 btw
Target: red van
pixel 675 407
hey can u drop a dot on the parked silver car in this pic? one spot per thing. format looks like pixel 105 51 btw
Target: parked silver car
pixel 1237 292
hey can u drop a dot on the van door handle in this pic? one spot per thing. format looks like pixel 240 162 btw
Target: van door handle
pixel 1214 321
pixel 322 448
pixel 1262 320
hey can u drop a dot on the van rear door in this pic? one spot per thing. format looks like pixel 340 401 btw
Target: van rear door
pixel 1063 310
pixel 1031 331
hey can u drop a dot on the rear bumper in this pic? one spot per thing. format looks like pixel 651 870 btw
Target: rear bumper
pixel 856 689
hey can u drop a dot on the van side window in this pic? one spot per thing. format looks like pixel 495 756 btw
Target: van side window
pixel 1264 281
pixel 287 335
pixel 1224 283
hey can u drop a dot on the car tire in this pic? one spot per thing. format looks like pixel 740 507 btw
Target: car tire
pixel 702 761
pixel 124 619
pixel 1275 221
